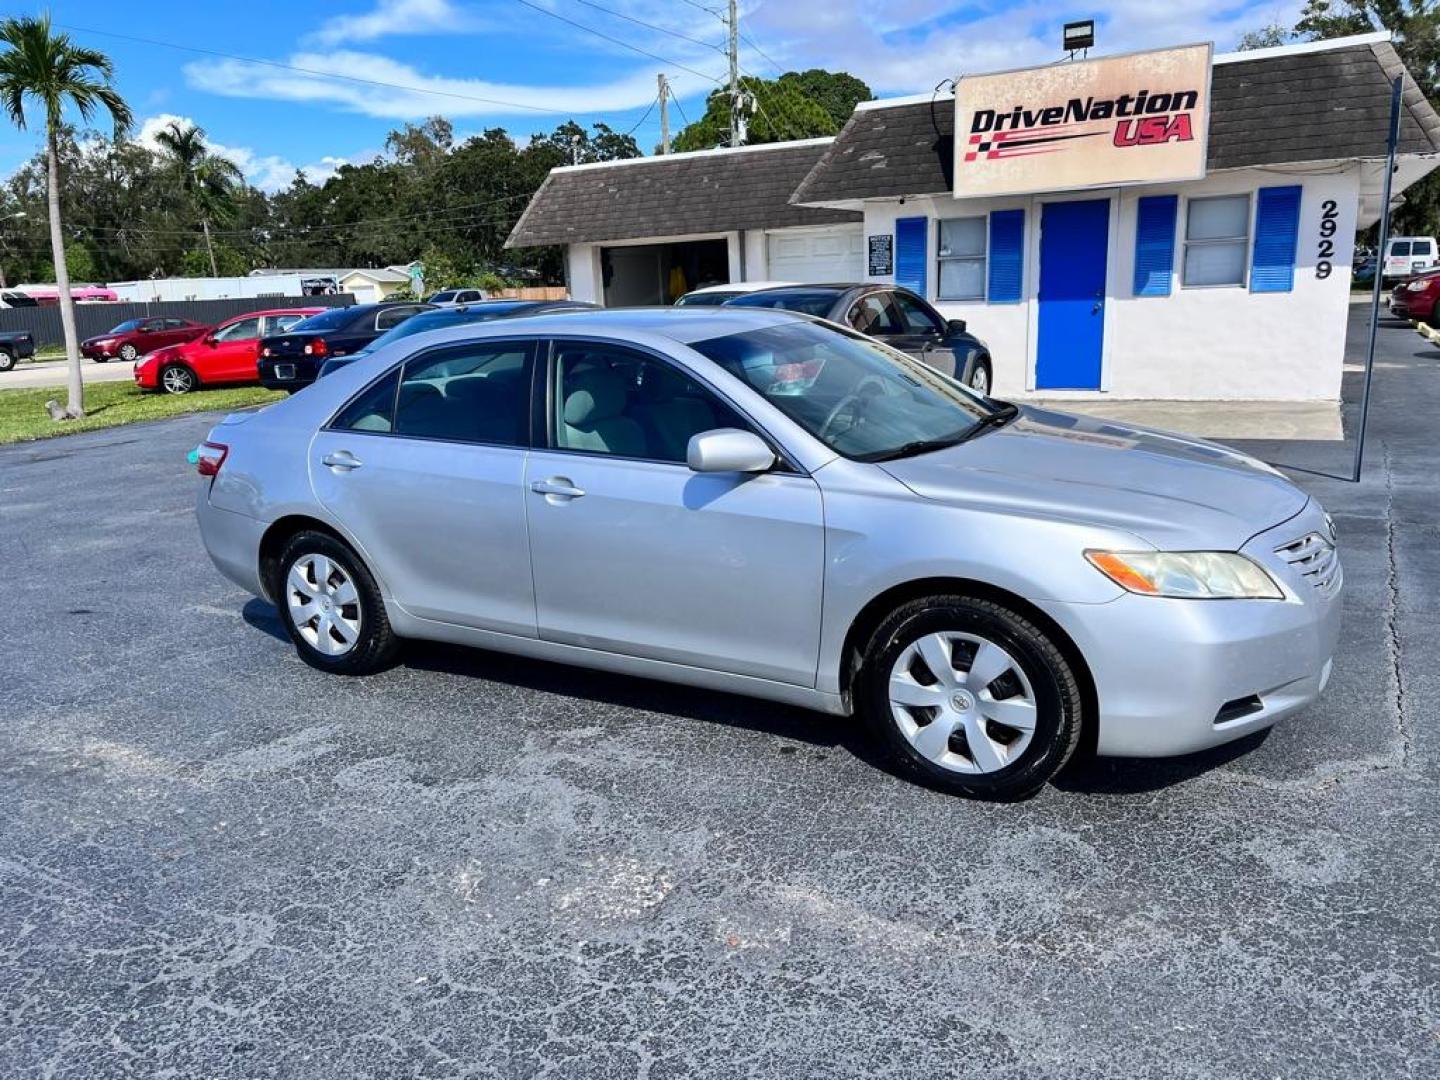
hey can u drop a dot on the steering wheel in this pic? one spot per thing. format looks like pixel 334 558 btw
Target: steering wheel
pixel 851 401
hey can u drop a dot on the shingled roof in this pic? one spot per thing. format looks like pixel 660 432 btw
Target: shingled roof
pixel 676 195
pixel 1281 106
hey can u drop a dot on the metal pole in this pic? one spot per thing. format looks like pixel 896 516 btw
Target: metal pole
pixel 664 112
pixel 1394 139
pixel 733 24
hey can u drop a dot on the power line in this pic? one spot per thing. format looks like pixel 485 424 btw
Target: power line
pixel 645 117
pixel 614 40
pixel 649 25
pixel 315 71
pixel 764 55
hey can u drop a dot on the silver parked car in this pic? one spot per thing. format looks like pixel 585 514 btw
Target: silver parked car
pixel 758 502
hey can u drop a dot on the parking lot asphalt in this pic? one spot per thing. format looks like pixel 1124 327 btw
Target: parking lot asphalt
pixel 53 373
pixel 216 862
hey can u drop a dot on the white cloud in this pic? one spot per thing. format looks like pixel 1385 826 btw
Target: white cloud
pixel 410 94
pixel 392 17
pixel 268 172
pixel 910 45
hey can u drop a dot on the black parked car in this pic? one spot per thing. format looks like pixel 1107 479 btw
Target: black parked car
pixel 894 315
pixel 15 345
pixel 456 316
pixel 291 361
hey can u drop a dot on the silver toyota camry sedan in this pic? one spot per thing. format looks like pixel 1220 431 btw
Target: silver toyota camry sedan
pixel 758 502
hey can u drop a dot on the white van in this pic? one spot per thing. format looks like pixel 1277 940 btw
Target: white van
pixel 1407 255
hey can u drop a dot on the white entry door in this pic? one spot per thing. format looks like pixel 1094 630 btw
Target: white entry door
pixel 833 253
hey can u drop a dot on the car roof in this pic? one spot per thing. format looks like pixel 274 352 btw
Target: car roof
pixel 744 286
pixel 680 324
pixel 277 311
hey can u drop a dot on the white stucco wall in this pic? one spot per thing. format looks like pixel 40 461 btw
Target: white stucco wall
pixel 1222 342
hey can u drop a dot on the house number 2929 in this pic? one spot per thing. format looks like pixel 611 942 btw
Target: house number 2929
pixel 1329 216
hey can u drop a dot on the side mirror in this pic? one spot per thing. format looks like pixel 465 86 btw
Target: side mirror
pixel 728 450
pixel 955 326
pixel 209 339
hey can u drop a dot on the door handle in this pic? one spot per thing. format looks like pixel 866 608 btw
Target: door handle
pixel 341 459
pixel 556 485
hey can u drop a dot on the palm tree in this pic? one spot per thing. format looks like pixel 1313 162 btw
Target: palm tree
pixel 47 69
pixel 207 179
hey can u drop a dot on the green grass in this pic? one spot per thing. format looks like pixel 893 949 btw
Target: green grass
pixel 23 416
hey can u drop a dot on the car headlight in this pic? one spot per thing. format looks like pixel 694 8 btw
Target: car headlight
pixel 1416 286
pixel 1202 575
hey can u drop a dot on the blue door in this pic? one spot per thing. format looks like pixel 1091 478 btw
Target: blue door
pixel 1074 243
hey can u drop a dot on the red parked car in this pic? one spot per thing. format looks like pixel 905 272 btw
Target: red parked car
pixel 136 337
pixel 1418 298
pixel 224 356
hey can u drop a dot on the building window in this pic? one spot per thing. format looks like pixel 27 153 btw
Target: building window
pixel 962 259
pixel 1217 237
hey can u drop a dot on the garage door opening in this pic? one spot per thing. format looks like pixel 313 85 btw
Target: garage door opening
pixel 661 273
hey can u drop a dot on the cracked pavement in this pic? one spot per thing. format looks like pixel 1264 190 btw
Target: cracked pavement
pixel 216 862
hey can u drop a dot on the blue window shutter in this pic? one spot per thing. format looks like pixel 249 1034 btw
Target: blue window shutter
pixel 1277 228
pixel 1155 244
pixel 1007 256
pixel 911 236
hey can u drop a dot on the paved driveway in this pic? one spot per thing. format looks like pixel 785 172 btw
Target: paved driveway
pixel 215 862
pixel 52 373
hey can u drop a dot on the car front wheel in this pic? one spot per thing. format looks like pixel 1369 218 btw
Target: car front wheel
pixel 177 379
pixel 970 697
pixel 7 360
pixel 331 606
pixel 980 378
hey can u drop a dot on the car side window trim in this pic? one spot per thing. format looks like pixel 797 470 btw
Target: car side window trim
pixel 543 418
pixel 535 349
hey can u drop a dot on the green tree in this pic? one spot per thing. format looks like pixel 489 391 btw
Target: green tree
pixel 783 111
pixel 1267 37
pixel 208 180
pixel 837 92
pixel 49 70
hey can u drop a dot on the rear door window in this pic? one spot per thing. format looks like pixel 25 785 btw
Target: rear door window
pixel 1400 247
pixel 478 392
pixel 1421 247
pixel 875 314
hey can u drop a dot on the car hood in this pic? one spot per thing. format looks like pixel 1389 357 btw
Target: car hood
pixel 1172 491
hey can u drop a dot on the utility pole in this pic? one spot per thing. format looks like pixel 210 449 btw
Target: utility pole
pixel 736 123
pixel 664 84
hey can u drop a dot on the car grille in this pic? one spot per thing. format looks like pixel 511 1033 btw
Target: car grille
pixel 1316 559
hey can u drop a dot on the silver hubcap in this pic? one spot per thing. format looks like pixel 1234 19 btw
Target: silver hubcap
pixel 324 604
pixel 980 381
pixel 127 352
pixel 177 380
pixel 963 702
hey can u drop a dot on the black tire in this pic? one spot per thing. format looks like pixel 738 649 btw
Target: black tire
pixel 7 359
pixel 982 366
pixel 102 359
pixel 1058 704
pixel 128 353
pixel 376 645
pixel 180 380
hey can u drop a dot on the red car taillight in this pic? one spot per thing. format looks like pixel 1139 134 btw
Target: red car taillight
pixel 317 347
pixel 210 457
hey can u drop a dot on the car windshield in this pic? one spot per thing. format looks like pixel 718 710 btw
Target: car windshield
pixel 127 326
pixel 443 297
pixel 857 396
pixel 326 320
pixel 806 301
pixel 705 299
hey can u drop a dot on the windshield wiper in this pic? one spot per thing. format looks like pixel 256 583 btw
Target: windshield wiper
pixel 999 418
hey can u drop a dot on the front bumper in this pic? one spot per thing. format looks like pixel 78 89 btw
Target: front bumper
pixel 1176 676
pixel 95 352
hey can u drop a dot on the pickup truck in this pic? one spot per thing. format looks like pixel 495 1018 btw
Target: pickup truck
pixel 15 345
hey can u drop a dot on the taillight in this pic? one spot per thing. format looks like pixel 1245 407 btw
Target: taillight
pixel 317 347
pixel 266 351
pixel 209 456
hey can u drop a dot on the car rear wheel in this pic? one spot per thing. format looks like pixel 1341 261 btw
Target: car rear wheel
pixel 970 697
pixel 7 360
pixel 177 379
pixel 980 378
pixel 331 607
pixel 128 353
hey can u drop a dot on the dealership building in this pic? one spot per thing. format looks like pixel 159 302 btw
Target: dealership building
pixel 1163 226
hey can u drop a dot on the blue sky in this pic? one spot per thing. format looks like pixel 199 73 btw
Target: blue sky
pixel 486 63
